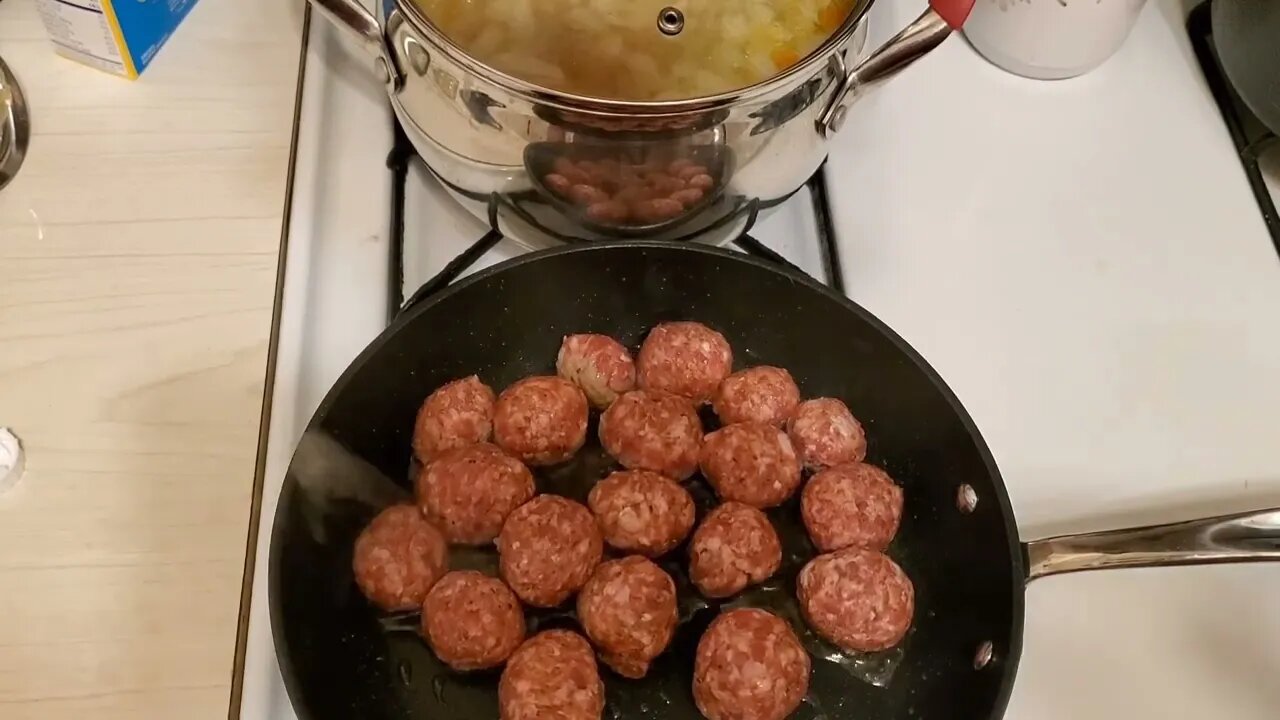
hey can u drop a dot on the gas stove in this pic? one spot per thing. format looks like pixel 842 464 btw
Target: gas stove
pixel 1084 262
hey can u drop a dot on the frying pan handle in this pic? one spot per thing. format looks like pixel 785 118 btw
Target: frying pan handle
pixel 355 19
pixel 1247 537
pixel 914 42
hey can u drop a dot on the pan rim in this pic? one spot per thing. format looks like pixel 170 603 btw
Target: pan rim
pixel 1007 663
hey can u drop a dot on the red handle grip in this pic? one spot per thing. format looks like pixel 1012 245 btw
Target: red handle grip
pixel 955 12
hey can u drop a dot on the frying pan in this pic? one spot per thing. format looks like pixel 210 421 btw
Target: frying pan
pixel 958 541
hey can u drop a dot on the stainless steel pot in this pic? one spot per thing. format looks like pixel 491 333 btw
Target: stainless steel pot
pixel 491 138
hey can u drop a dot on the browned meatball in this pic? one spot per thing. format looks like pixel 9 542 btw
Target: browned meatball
pixel 628 609
pixel 852 504
pixel 825 434
pixel 685 358
pixel 552 676
pixel 858 599
pixel 398 557
pixel 472 621
pixel 652 430
pixel 541 420
pixel 597 364
pixel 749 666
pixel 548 548
pixel 457 414
pixel 761 394
pixel 750 463
pixel 469 492
pixel 735 546
pixel 641 511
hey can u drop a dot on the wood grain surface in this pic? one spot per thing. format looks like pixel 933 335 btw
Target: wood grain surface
pixel 138 252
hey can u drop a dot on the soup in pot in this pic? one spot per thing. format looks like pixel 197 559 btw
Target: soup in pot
pixel 615 49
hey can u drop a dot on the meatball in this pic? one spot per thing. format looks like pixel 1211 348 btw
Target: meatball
pixel 472 621
pixel 642 512
pixel 548 548
pixel 825 433
pixel 398 557
pixel 858 599
pixel 653 430
pixel 541 420
pixel 597 364
pixel 749 666
pixel 685 358
pixel 750 463
pixel 553 675
pixel 761 394
pixel 469 492
pixel 457 414
pixel 851 504
pixel 628 609
pixel 735 546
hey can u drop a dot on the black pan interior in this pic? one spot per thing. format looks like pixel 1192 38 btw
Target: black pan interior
pixel 341 659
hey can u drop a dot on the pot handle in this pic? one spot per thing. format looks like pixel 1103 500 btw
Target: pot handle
pixel 917 39
pixel 1245 537
pixel 354 18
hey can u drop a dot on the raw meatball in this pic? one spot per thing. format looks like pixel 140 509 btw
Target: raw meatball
pixel 760 394
pixel 852 504
pixel 472 621
pixel 541 420
pixel 751 463
pixel 858 599
pixel 628 609
pixel 599 365
pixel 457 414
pixel 552 676
pixel 825 433
pixel 685 358
pixel 398 557
pixel 749 666
pixel 548 548
pixel 469 492
pixel 653 430
pixel 735 546
pixel 642 512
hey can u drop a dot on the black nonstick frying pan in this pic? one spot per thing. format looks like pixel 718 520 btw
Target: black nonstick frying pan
pixel 958 542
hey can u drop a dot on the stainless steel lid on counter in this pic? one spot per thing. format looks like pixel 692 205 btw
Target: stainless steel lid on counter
pixel 15 125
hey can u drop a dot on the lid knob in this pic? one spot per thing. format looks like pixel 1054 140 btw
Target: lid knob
pixel 670 20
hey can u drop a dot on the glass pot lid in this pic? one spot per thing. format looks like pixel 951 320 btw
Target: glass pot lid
pixel 638 49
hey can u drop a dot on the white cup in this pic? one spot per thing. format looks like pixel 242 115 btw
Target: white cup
pixel 1050 39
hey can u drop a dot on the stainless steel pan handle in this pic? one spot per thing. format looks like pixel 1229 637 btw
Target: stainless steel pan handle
pixel 1246 537
pixel 353 17
pixel 914 42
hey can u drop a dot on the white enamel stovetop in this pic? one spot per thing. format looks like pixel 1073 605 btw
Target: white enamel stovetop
pixel 1082 261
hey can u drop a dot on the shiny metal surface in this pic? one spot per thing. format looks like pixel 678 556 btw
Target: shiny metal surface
pixel 15 125
pixel 474 126
pixel 1245 537
pixel 670 20
pixel 926 33
pixel 352 15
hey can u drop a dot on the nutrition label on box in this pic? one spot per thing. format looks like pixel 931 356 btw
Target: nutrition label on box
pixel 86 32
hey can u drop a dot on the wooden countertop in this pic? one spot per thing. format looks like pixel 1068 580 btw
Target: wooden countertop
pixel 138 253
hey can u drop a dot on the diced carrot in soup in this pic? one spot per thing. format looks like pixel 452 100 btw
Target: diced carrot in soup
pixel 784 57
pixel 830 17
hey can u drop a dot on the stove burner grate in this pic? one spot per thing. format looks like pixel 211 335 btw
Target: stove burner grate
pixel 1252 139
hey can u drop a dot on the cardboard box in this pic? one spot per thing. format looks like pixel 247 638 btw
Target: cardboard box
pixel 119 36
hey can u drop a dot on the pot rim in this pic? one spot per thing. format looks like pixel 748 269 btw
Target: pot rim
pixel 806 67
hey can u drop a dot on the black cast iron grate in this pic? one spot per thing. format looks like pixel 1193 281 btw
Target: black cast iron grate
pixel 1250 136
pixel 403 154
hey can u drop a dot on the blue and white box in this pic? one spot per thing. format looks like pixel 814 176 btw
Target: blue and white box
pixel 119 36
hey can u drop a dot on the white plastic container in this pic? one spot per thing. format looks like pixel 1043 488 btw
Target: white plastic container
pixel 1050 39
